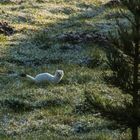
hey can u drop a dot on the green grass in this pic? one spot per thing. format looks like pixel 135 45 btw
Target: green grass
pixel 29 111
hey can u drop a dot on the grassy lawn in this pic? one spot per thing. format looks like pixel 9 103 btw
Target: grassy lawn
pixel 51 35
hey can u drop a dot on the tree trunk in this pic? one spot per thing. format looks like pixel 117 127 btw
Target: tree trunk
pixel 135 81
pixel 134 133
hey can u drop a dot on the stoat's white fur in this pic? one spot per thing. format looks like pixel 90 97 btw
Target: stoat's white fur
pixel 42 77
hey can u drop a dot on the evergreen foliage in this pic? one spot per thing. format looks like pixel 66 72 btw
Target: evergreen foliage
pixel 124 61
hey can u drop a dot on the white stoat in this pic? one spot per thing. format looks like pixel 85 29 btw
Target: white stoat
pixel 43 77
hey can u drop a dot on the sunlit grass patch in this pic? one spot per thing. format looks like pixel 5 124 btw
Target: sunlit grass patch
pixel 3 39
pixel 25 27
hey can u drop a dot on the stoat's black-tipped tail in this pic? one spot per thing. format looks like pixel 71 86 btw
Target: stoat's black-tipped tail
pixel 22 75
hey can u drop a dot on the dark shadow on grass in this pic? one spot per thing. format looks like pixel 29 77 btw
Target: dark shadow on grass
pixel 19 105
pixel 16 104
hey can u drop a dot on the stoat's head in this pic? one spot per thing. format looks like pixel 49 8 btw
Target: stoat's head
pixel 59 73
